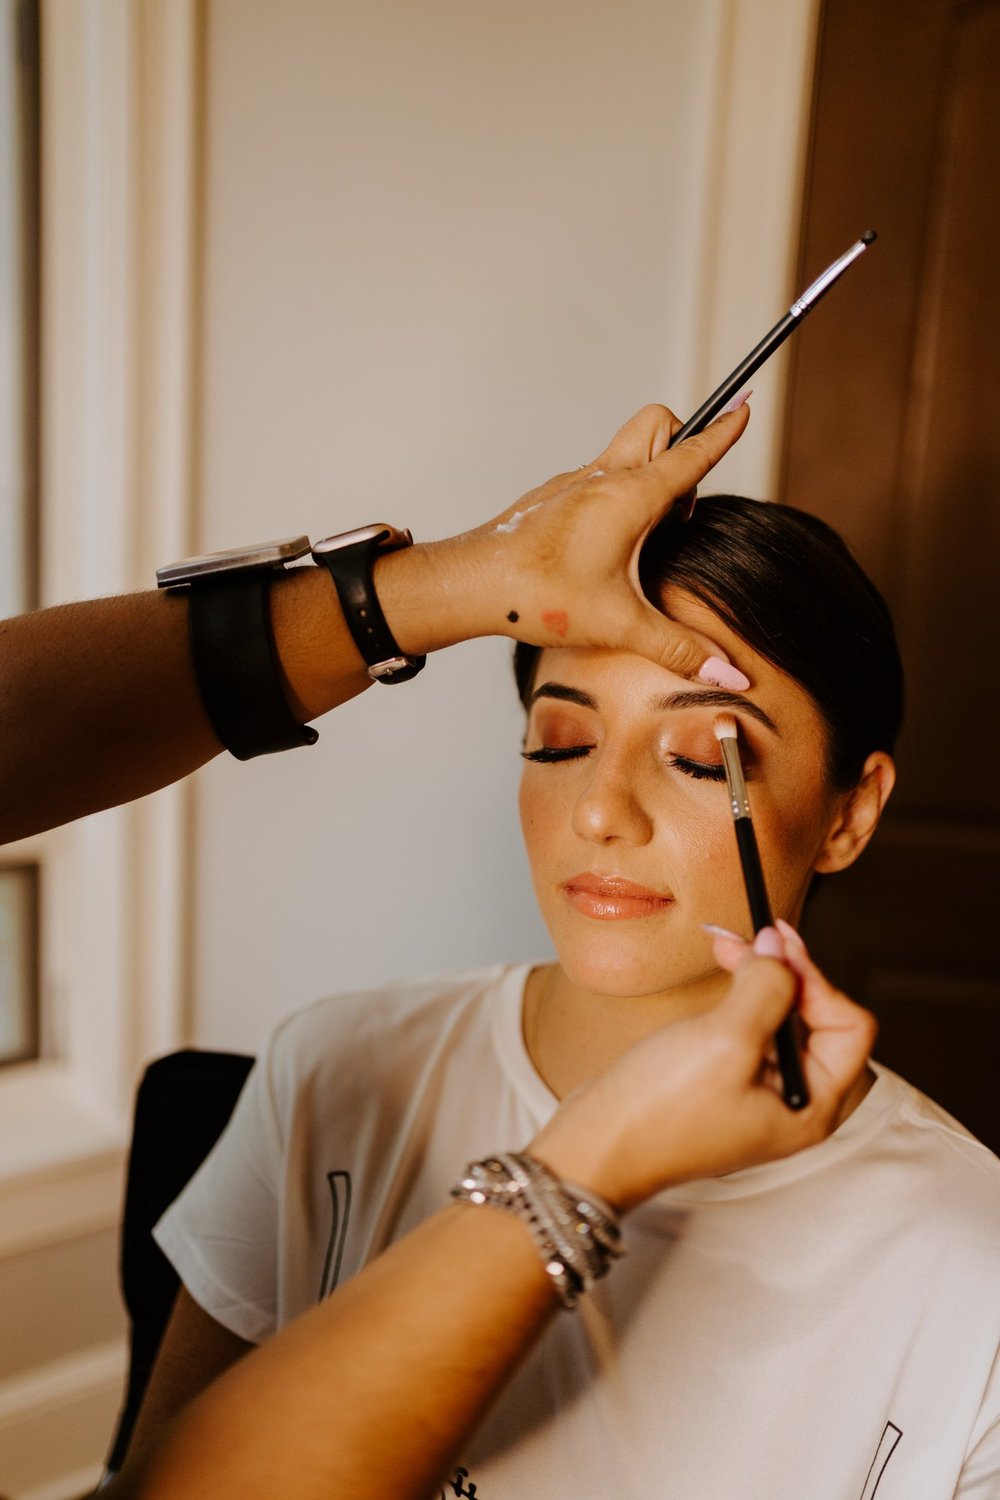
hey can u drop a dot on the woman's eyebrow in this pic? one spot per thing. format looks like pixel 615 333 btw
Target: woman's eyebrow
pixel 705 698
pixel 563 693
pixel 717 698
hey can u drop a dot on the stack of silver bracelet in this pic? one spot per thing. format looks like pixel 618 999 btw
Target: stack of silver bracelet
pixel 577 1233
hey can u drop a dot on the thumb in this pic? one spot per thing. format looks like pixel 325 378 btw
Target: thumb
pixel 642 438
pixel 659 638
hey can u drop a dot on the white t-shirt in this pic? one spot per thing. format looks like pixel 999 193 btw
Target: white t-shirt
pixel 813 1329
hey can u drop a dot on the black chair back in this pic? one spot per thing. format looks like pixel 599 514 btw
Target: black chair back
pixel 182 1107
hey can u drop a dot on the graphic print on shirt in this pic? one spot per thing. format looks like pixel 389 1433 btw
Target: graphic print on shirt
pixel 886 1448
pixel 457 1486
pixel 340 1210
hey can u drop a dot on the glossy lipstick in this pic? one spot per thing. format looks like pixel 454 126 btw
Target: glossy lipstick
pixel 610 898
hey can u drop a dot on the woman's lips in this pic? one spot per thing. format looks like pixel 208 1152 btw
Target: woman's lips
pixel 610 898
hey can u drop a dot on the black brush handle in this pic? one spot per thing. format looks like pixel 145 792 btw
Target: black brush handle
pixel 733 384
pixel 790 1064
pixel 753 875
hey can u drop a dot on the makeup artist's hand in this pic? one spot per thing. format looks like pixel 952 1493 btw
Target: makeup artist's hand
pixel 560 566
pixel 700 1097
pixel 556 568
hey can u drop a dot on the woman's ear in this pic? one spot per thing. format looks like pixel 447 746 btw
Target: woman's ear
pixel 857 815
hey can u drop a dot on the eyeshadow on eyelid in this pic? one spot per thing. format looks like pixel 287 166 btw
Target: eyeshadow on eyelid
pixel 559 718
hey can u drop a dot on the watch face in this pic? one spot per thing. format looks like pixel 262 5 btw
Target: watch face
pixel 378 531
pixel 236 560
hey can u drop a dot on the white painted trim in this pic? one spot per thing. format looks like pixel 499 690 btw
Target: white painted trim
pixel 168 214
pixel 80 1392
pixel 14 315
pixel 50 1386
pixel 765 81
pixel 67 1486
pixel 119 212
pixel 74 1183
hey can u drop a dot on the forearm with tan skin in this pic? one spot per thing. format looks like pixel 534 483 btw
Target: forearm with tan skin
pixel 99 701
pixel 375 1390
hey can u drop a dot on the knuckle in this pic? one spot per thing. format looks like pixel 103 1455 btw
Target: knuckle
pixel 698 447
pixel 679 655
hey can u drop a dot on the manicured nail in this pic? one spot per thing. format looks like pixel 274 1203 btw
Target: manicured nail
pixel 723 932
pixel 723 674
pixel 768 943
pixel 737 401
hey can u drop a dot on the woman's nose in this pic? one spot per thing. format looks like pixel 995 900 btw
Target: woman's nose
pixel 610 807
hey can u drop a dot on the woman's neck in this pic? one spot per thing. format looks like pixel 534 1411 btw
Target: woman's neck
pixel 573 1035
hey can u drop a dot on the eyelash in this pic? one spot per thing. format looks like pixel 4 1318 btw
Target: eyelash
pixel 548 755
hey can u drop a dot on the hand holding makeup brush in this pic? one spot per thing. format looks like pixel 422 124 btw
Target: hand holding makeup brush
pixel 702 1097
pixel 829 1018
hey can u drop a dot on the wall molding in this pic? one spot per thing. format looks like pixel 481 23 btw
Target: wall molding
pixel 750 230
pixel 47 1207
pixel 120 117
pixel 119 209
pixel 75 1396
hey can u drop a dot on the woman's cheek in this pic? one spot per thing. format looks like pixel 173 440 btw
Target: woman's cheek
pixel 789 843
pixel 539 805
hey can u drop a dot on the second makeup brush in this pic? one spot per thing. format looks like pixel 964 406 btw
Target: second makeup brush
pixel 772 340
pixel 793 1083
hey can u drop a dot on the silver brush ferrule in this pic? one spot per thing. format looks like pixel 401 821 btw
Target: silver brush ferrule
pixel 739 801
pixel 819 286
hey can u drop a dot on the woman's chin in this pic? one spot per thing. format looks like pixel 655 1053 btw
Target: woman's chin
pixel 629 976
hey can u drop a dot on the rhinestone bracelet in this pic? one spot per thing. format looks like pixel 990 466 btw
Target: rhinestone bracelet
pixel 576 1232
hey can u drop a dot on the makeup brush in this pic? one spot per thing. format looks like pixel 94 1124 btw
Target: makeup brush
pixel 792 1081
pixel 772 340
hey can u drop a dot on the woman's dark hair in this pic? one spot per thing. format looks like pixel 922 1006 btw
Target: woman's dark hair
pixel 786 584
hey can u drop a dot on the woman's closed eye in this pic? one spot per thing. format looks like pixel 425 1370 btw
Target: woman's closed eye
pixel 700 770
pixel 546 754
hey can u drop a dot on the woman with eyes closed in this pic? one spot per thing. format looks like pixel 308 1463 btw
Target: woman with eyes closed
pixel 823 1325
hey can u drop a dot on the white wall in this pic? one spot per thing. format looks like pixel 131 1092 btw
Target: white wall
pixel 448 247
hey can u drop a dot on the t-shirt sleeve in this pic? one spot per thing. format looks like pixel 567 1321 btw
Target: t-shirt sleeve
pixel 221 1233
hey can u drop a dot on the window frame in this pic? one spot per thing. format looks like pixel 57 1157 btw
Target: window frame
pixel 119 118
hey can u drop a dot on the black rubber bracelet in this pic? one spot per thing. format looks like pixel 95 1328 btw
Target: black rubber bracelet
pixel 351 571
pixel 236 664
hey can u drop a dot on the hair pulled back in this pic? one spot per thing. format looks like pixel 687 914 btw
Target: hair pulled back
pixel 785 583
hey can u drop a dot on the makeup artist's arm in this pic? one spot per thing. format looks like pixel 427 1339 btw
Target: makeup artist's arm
pixel 98 700
pixel 375 1390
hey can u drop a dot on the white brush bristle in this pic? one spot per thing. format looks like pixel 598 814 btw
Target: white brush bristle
pixel 724 727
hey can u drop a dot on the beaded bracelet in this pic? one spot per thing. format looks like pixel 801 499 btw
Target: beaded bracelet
pixel 576 1232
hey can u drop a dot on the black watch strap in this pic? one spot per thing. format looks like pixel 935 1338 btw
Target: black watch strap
pixel 351 570
pixel 236 664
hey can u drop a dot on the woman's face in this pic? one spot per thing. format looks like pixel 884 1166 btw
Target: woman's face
pixel 626 817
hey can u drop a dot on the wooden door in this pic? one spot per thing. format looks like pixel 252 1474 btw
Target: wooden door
pixel 893 435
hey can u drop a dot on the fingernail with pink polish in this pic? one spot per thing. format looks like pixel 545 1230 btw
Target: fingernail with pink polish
pixel 723 674
pixel 768 943
pixel 739 400
pixel 723 932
